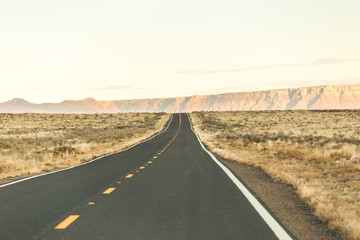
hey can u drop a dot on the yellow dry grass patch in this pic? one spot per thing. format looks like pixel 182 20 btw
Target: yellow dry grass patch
pixel 310 150
pixel 36 143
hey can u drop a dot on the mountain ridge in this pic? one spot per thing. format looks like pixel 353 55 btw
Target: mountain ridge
pixel 311 98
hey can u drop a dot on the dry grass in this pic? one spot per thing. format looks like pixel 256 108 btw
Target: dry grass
pixel 310 150
pixel 36 143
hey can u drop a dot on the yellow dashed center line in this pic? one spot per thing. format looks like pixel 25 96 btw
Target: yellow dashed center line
pixel 64 224
pixel 109 190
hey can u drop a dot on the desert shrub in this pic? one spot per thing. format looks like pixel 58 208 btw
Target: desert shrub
pixel 65 149
pixel 227 135
pixel 290 153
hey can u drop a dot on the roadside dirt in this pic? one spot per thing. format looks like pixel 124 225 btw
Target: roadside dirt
pixel 13 179
pixel 283 202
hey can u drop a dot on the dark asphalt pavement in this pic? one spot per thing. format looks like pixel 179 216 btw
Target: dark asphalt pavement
pixel 180 194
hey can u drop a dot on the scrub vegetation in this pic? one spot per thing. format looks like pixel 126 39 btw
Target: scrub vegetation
pixel 35 143
pixel 314 151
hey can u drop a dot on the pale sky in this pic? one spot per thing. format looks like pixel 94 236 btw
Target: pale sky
pixel 110 50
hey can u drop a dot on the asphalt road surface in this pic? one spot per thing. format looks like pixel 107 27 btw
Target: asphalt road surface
pixel 168 187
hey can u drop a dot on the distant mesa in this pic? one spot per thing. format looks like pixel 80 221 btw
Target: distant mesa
pixel 17 101
pixel 320 97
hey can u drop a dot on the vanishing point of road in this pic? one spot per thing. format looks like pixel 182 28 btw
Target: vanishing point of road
pixel 167 187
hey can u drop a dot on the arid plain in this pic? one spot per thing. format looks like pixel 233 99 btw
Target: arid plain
pixel 313 151
pixel 34 143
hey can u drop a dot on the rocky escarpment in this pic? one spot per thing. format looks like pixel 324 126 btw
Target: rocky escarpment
pixel 321 97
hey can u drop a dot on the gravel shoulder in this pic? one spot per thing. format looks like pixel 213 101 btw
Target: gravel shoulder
pixel 283 202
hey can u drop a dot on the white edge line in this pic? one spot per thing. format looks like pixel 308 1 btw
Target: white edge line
pixel 271 222
pixel 64 169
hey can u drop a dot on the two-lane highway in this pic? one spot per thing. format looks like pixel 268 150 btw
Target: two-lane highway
pixel 166 188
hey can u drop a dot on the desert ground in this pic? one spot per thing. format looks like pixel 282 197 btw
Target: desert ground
pixel 313 151
pixel 36 143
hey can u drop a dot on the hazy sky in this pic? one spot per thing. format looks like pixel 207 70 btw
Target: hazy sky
pixel 110 49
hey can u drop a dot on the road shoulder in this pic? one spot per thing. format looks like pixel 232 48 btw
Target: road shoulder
pixel 283 202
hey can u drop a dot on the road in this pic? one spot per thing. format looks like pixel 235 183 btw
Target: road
pixel 168 187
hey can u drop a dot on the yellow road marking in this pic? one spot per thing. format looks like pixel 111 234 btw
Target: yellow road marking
pixel 155 157
pixel 91 203
pixel 141 167
pixel 129 176
pixel 137 170
pixel 149 161
pixel 64 224
pixel 109 190
pixel 118 182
